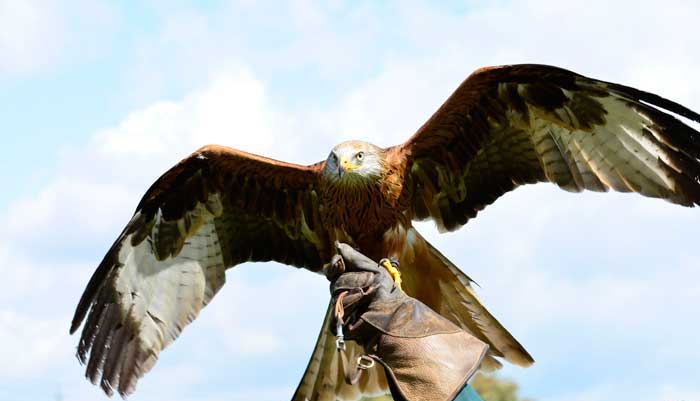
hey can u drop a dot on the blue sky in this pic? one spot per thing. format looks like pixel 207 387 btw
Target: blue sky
pixel 98 98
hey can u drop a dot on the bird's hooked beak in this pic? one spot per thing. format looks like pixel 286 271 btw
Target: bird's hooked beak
pixel 345 166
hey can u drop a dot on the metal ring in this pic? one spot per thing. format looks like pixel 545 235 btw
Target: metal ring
pixel 365 362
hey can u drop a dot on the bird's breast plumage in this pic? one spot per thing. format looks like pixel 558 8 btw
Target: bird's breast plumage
pixel 361 214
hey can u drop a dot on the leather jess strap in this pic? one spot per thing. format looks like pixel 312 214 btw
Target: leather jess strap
pixel 339 310
pixel 364 361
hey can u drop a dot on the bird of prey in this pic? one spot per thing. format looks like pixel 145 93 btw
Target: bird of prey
pixel 503 127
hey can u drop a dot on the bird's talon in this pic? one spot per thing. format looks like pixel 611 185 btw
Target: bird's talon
pixel 392 266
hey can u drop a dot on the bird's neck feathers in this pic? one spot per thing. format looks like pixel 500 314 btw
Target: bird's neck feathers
pixel 355 190
pixel 352 186
pixel 391 181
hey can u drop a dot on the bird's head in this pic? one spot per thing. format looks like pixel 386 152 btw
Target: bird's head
pixel 354 162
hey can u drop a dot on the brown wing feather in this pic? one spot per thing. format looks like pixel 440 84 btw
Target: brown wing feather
pixel 217 208
pixel 513 125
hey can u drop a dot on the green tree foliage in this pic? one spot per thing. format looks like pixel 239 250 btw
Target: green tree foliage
pixel 492 388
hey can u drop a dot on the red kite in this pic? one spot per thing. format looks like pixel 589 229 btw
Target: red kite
pixel 502 128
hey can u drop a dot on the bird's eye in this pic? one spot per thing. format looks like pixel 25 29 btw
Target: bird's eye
pixel 360 155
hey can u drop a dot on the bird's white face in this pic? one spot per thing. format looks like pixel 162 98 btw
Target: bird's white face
pixel 354 161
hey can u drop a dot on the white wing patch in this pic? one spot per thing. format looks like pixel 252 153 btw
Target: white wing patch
pixel 153 301
pixel 623 154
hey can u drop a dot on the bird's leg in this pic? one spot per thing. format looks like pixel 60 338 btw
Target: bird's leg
pixel 334 268
pixel 392 266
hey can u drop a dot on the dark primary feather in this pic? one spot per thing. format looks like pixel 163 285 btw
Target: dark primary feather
pixel 514 125
pixel 215 209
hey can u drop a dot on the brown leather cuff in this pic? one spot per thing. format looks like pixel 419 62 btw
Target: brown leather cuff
pixel 431 368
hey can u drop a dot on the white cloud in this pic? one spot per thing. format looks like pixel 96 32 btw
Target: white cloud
pixel 30 344
pixel 25 277
pixel 676 392
pixel 232 109
pixel 255 317
pixel 66 207
pixel 37 295
pixel 36 35
pixel 31 35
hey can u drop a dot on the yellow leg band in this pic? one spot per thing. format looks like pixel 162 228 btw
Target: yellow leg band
pixel 393 270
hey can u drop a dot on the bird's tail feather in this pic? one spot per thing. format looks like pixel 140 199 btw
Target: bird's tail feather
pixel 324 381
pixel 431 278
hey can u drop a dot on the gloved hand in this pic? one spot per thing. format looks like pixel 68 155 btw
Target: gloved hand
pixel 426 357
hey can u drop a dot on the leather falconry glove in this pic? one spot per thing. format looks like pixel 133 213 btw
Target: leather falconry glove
pixel 426 357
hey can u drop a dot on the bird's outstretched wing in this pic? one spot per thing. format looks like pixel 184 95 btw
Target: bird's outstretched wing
pixel 513 125
pixel 217 208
